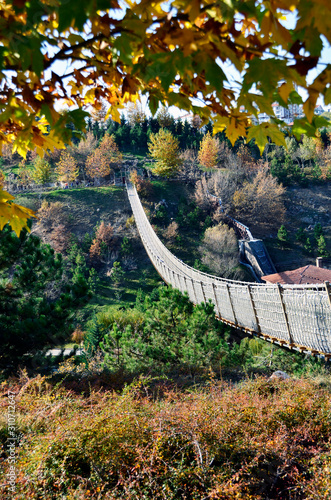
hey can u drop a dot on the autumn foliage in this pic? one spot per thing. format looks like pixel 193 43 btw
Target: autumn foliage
pixel 143 186
pixel 66 168
pixel 209 151
pixel 260 201
pixel 103 159
pixel 171 58
pixel 164 149
pixel 250 441
pixel 103 241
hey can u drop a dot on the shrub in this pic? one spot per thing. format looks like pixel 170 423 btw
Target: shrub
pixel 282 233
pixel 255 440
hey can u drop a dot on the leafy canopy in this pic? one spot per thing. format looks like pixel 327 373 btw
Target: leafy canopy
pixel 174 52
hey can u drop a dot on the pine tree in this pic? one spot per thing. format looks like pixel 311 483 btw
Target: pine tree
pixel 308 246
pixel 300 235
pixel 321 246
pixel 318 231
pixel 117 273
pixel 282 233
pixel 36 306
pixel 164 331
pixel 93 280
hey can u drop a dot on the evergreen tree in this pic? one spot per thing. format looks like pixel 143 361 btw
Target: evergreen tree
pixel 126 247
pixel 93 280
pixel 117 273
pixel 300 235
pixel 321 246
pixel 308 246
pixel 164 332
pixel 282 233
pixel 318 231
pixel 36 303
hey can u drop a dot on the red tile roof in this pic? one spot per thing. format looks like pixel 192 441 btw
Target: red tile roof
pixel 303 275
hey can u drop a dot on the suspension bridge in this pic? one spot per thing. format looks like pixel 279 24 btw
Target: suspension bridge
pixel 296 316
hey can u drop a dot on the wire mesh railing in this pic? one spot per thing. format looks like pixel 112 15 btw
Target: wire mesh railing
pixel 298 316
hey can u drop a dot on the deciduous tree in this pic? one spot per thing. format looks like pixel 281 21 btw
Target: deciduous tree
pixel 82 150
pixel 219 250
pixel 144 187
pixel 164 118
pixel 103 159
pixel 164 148
pixel 208 151
pixel 135 113
pixel 67 169
pixel 23 174
pixel 41 171
pixel 13 214
pixel 260 201
pixel 157 48
pixel 102 245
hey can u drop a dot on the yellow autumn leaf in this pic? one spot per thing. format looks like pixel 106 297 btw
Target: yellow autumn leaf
pixel 14 215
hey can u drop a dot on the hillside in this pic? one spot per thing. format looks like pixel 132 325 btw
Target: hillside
pixel 84 208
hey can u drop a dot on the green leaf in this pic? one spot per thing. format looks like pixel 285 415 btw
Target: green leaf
pixel 265 74
pixel 214 74
pixel 261 133
pixel 327 96
pixel 153 104
pixel 47 113
pixel 73 12
pixel 302 126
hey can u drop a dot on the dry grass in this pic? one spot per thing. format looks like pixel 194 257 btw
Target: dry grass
pixel 256 440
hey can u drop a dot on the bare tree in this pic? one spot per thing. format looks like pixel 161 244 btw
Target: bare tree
pixel 219 250
pixel 260 201
pixel 190 169
pixel 82 150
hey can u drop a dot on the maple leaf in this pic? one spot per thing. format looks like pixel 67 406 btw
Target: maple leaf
pixel 262 133
pixel 14 215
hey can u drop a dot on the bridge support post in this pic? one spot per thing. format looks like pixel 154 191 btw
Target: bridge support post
pixel 232 308
pixel 203 292
pixel 184 277
pixel 280 292
pixel 218 311
pixel 174 278
pixel 328 290
pixel 195 293
pixel 254 309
